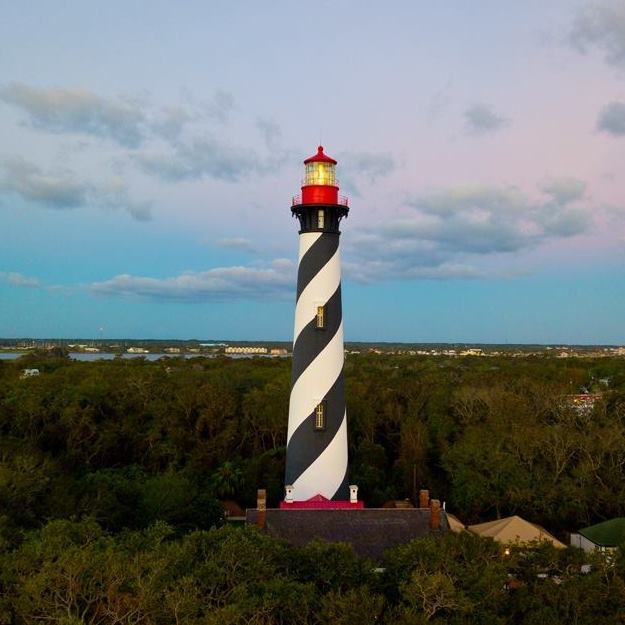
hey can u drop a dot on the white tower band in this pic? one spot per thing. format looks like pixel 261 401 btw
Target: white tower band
pixel 316 462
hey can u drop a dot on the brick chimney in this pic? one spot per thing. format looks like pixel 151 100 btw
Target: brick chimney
pixel 424 499
pixel 261 507
pixel 435 515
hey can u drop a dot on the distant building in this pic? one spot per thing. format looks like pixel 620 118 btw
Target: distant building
pixel 278 351
pixel 172 350
pixel 232 510
pixel 583 403
pixel 137 350
pixel 472 352
pixel 604 536
pixel 245 350
pixel 514 529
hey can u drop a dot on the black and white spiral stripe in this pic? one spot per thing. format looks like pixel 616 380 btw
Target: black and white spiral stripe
pixel 317 459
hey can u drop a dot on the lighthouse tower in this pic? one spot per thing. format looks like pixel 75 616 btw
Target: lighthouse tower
pixel 316 456
pixel 316 480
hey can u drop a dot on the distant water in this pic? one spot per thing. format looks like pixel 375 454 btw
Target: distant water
pixel 109 356
pixel 102 356
pixel 10 355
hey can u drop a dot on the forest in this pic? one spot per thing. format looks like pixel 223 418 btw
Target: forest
pixel 112 473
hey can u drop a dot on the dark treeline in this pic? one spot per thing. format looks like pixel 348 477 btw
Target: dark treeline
pixel 128 442
pixel 111 474
pixel 74 573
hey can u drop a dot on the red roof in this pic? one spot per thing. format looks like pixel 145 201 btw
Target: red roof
pixel 319 502
pixel 232 508
pixel 318 498
pixel 320 157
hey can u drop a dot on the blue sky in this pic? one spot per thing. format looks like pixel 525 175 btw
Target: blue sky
pixel 150 151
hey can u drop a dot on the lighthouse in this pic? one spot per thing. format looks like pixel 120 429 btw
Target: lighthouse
pixel 316 455
pixel 319 503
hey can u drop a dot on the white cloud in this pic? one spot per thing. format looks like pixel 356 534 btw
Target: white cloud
pixel 219 106
pixel 217 284
pixel 564 190
pixel 18 279
pixel 481 120
pixel 612 119
pixel 114 193
pixel 363 167
pixel 203 158
pixel 270 131
pixel 63 189
pixel 174 141
pixel 128 122
pixel 370 165
pixel 449 230
pixel 372 271
pixel 601 25
pixel 78 111
pixel 171 122
pixel 58 189
pixel 237 243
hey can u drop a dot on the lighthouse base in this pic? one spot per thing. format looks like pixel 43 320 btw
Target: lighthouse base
pixel 319 502
pixel 370 531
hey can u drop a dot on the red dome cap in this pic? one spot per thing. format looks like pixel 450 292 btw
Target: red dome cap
pixel 320 157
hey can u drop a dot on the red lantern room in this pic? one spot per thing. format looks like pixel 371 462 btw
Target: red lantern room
pixel 319 207
pixel 319 185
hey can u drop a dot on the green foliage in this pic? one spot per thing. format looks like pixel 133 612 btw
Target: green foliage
pixel 453 574
pixel 75 572
pixel 124 440
pixel 356 606
pixel 131 498
pixel 330 567
pixel 111 475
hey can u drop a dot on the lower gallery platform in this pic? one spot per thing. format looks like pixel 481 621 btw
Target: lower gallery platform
pixel 370 531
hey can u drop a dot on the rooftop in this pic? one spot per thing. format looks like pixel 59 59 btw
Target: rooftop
pixel 607 534
pixel 320 157
pixel 370 531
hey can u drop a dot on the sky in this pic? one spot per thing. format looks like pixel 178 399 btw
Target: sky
pixel 149 152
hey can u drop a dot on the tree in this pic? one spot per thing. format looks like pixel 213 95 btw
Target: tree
pixel 434 592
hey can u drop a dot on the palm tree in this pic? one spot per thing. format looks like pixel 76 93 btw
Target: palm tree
pixel 227 480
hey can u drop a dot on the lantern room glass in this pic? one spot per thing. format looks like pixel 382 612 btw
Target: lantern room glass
pixel 319 173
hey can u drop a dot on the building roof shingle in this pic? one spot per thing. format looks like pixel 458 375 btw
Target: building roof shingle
pixel 370 531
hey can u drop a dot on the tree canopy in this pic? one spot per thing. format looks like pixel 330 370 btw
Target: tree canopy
pixel 111 475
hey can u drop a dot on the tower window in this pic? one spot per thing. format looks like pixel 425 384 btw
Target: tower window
pixel 321 317
pixel 321 214
pixel 320 416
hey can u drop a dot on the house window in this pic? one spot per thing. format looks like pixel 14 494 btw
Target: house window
pixel 321 317
pixel 321 214
pixel 320 416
